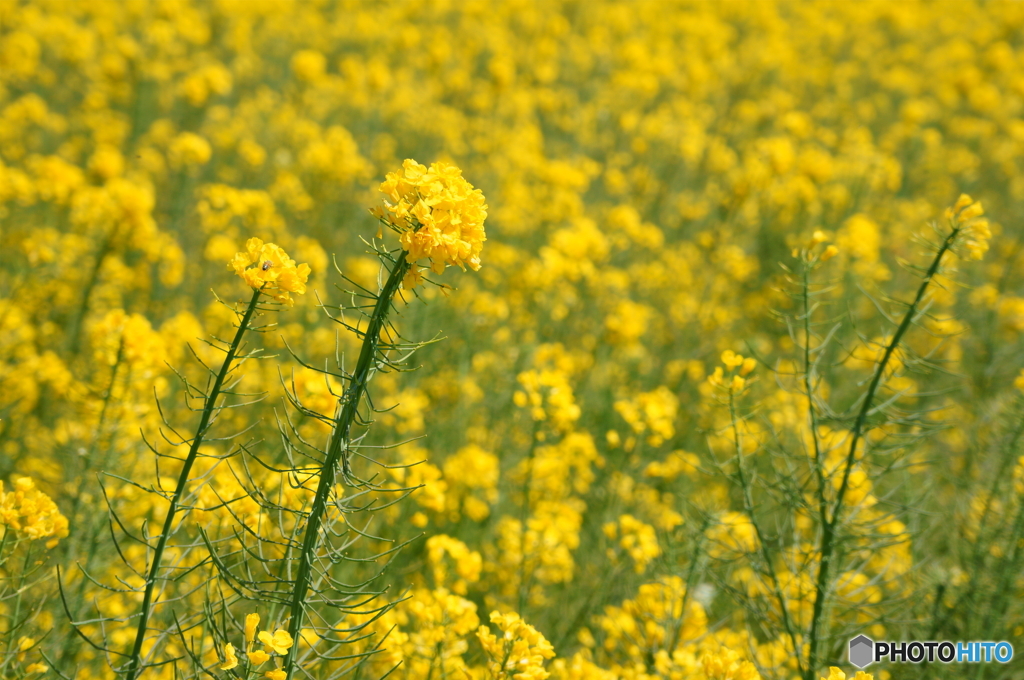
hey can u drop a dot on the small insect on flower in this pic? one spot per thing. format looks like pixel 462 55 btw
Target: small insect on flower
pixel 267 268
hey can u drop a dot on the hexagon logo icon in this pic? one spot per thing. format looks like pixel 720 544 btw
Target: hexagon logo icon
pixel 861 651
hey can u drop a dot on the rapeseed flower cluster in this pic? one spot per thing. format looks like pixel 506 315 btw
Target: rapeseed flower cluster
pixel 739 366
pixel 636 538
pixel 728 665
pixel 439 216
pixel 27 511
pixel 966 216
pixel 278 642
pixel 267 268
pixel 518 652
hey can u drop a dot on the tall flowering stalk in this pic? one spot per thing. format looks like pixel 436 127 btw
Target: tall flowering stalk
pixel 968 237
pixel 269 272
pixel 27 517
pixel 825 483
pixel 438 217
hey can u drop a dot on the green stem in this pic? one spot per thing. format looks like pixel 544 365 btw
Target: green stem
pixel 811 413
pixel 982 541
pixel 999 602
pixel 13 619
pixel 829 528
pixel 338 451
pixel 90 283
pixel 209 409
pixel 108 397
pixel 766 557
pixel 524 518
pixel 690 577
pixel 89 533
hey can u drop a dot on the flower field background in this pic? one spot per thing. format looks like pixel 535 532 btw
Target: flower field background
pixel 734 376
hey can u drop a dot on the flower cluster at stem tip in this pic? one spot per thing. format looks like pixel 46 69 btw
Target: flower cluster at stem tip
pixel 966 215
pixel 521 650
pixel 726 664
pixel 810 253
pixel 28 511
pixel 438 215
pixel 732 362
pixel 278 642
pixel 267 268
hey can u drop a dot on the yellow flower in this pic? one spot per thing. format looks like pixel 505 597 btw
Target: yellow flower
pixel 838 674
pixel 252 621
pixel 439 215
pixel 731 359
pixel 189 149
pixel 413 278
pixel 36 668
pixel 257 657
pixel 652 412
pixel 279 642
pixel 966 215
pixel 467 562
pixel 732 536
pixel 230 660
pixel 266 267
pixel 309 65
pixel 30 512
pixel 521 649
pixel 276 674
pixel 637 539
pixel 728 665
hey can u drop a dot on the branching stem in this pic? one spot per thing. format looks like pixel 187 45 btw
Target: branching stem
pixel 829 535
pixel 762 539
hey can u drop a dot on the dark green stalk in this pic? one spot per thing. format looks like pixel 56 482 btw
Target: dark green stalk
pixel 210 407
pixel 830 526
pixel 338 450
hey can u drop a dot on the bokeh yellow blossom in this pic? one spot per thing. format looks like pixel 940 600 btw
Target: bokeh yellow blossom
pixel 642 431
